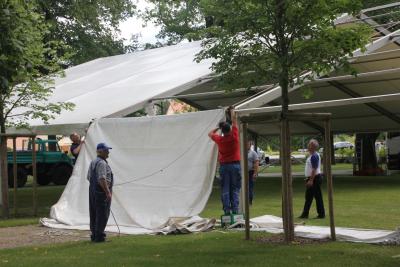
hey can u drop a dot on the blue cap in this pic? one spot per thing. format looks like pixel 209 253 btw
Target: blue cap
pixel 103 146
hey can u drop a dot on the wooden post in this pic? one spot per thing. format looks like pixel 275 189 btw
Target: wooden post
pixel 245 175
pixel 4 176
pixel 255 143
pixel 328 174
pixel 287 194
pixel 34 173
pixel 15 172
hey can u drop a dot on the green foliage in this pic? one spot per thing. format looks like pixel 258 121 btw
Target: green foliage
pixel 345 152
pixel 264 41
pixel 307 92
pixel 178 19
pixel 344 137
pixel 90 28
pixel 27 65
pixel 382 152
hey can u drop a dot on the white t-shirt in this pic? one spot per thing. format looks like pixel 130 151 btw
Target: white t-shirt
pixel 252 156
pixel 313 162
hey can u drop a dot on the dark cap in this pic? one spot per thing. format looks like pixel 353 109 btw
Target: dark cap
pixel 103 146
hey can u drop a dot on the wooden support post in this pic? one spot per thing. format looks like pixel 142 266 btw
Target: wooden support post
pixel 245 176
pixel 328 175
pixel 255 143
pixel 332 150
pixel 287 193
pixel 34 173
pixel 4 176
pixel 15 172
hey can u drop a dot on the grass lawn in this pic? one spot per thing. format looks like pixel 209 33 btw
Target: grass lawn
pixel 363 202
pixel 205 249
pixel 47 196
pixel 300 168
pixel 368 202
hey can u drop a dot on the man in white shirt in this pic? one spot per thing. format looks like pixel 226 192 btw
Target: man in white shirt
pixel 253 162
pixel 313 181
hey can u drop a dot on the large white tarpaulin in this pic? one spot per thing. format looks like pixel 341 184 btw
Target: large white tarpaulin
pixel 163 167
pixel 274 225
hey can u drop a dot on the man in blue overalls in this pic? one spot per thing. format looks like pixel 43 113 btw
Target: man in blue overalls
pixel 101 181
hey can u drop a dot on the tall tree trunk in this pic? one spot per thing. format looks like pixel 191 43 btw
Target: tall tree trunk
pixel 3 166
pixel 287 190
pixel 368 164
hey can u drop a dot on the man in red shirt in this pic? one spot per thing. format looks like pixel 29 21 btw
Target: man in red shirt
pixel 229 160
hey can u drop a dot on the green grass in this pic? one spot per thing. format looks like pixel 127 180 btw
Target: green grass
pixel 47 196
pixel 367 202
pixel 300 168
pixel 205 249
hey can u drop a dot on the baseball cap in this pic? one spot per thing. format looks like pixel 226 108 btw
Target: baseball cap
pixel 103 146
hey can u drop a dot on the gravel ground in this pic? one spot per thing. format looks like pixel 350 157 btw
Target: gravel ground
pixel 33 235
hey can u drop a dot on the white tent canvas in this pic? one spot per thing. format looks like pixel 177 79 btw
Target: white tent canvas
pixel 163 167
pixel 120 85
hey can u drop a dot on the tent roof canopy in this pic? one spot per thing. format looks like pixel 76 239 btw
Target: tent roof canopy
pixel 120 85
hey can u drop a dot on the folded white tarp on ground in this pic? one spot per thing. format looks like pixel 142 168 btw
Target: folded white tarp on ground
pixel 163 168
pixel 273 224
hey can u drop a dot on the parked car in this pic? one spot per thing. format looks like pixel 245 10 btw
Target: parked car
pixel 264 159
pixel 343 144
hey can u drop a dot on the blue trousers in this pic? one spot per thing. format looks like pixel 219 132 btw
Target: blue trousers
pixel 230 186
pixel 99 209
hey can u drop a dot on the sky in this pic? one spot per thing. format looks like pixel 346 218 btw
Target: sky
pixel 136 26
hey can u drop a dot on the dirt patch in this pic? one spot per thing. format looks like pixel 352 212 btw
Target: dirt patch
pixel 33 235
pixel 280 239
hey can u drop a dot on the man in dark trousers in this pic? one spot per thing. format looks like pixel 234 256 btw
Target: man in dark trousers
pixel 101 181
pixel 313 181
pixel 229 160
pixel 253 161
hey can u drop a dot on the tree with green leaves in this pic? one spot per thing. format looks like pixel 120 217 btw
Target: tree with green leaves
pixel 283 42
pixel 24 59
pixel 89 28
pixel 178 19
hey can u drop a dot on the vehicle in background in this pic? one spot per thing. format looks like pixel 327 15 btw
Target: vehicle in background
pixel 53 165
pixel 343 144
pixel 264 159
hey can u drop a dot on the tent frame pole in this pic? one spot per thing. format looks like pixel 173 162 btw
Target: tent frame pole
pixel 328 174
pixel 245 175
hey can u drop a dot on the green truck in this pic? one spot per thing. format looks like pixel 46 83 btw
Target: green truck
pixel 53 165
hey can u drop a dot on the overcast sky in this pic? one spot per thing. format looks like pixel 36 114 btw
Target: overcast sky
pixel 135 26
